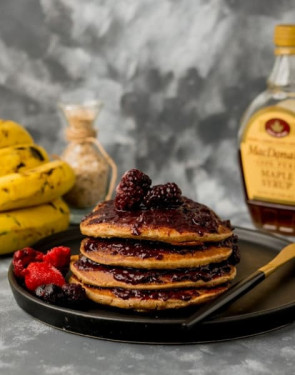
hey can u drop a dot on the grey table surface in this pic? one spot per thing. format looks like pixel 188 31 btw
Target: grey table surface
pixel 175 78
pixel 28 347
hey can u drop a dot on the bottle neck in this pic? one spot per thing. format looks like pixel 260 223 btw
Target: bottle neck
pixel 282 76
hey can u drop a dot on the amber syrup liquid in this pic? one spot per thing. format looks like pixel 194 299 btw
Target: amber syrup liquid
pixel 268 125
pixel 268 216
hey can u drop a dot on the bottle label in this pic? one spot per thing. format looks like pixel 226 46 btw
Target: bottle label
pixel 268 156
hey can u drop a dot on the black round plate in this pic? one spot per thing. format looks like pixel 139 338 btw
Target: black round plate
pixel 269 306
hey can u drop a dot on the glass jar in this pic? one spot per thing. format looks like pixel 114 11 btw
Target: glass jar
pixel 95 170
pixel 267 143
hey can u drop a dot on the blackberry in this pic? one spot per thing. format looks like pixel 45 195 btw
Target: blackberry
pixel 131 190
pixel 167 195
pixel 68 295
pixel 74 294
pixel 50 293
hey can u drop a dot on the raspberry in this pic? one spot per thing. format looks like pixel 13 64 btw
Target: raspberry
pixel 38 273
pixel 167 195
pixel 51 293
pixel 59 256
pixel 22 258
pixel 131 190
pixel 74 294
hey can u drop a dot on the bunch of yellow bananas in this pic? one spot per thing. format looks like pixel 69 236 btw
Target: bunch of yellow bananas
pixel 31 187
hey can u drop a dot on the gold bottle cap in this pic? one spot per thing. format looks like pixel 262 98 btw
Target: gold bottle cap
pixel 284 39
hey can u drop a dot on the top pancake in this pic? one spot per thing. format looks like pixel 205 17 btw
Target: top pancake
pixel 190 223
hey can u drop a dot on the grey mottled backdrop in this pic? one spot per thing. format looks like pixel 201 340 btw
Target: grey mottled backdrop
pixel 175 77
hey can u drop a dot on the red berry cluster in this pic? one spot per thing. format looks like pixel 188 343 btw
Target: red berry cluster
pixel 135 191
pixel 47 272
pixel 37 268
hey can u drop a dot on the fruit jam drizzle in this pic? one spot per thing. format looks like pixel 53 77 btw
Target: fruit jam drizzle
pixel 184 294
pixel 162 295
pixel 148 249
pixel 190 216
pixel 141 276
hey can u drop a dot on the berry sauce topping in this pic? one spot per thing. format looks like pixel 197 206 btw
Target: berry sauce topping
pixel 190 216
pixel 149 249
pixel 162 295
pixel 135 276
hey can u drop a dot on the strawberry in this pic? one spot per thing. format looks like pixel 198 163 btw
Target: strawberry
pixel 39 273
pixel 22 258
pixel 58 256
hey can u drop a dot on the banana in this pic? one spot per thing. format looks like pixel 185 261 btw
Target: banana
pixel 18 158
pixel 24 227
pixel 12 133
pixel 35 186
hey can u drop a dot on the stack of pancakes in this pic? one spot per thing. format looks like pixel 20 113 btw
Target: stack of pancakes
pixel 155 259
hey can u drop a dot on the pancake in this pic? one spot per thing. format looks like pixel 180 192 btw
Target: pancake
pixel 189 223
pixel 145 254
pixel 151 248
pixel 144 300
pixel 117 277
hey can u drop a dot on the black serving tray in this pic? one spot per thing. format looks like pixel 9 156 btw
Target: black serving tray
pixel 269 306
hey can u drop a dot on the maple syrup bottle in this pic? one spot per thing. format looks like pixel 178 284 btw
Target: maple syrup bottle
pixel 267 143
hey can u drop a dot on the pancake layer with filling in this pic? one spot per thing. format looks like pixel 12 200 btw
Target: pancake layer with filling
pixel 144 300
pixel 96 274
pixel 148 254
pixel 189 223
